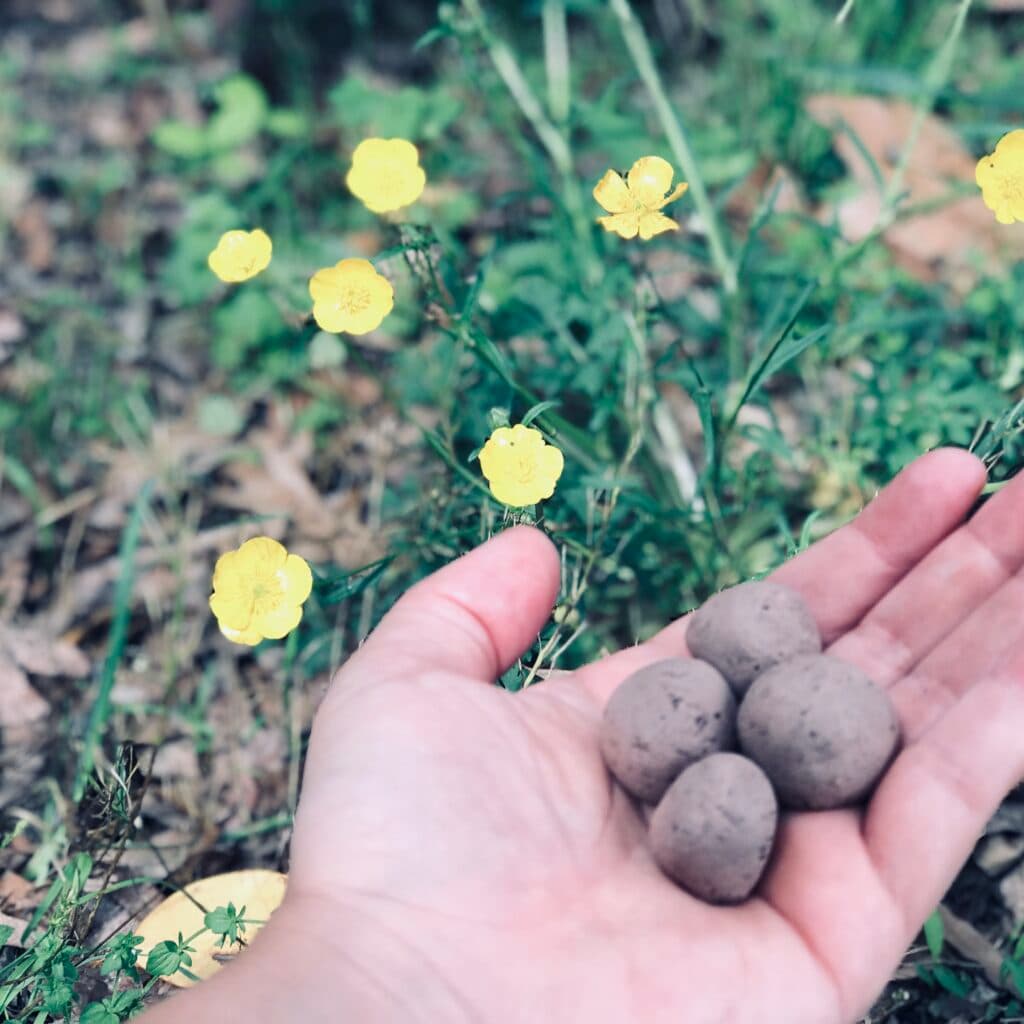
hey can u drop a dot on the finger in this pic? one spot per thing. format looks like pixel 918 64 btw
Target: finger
pixel 933 803
pixel 954 612
pixel 844 574
pixel 473 617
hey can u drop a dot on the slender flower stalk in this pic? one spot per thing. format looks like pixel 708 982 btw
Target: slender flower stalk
pixel 640 50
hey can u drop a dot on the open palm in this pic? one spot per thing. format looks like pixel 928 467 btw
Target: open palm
pixel 448 823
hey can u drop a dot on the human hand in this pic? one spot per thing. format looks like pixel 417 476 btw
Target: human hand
pixel 461 853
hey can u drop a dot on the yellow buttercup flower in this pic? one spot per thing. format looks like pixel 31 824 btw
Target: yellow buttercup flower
pixel 258 591
pixel 240 255
pixel 386 174
pixel 1001 178
pixel 520 467
pixel 634 204
pixel 350 296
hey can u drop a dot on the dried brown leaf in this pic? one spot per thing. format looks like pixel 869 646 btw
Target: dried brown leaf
pixel 959 232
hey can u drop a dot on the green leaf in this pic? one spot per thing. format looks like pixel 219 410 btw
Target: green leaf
pixel 934 934
pixel 220 416
pixel 242 110
pixel 538 410
pixel 1015 970
pixel 168 957
pixel 180 139
pixel 98 1013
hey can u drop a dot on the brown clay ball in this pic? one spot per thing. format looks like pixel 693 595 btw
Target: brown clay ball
pixel 714 828
pixel 750 629
pixel 662 719
pixel 821 729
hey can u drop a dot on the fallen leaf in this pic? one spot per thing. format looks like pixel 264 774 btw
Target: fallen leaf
pixel 38 652
pixel 18 924
pixel 20 705
pixel 957 230
pixel 259 891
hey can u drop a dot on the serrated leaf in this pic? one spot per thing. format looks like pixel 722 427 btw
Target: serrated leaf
pixel 259 891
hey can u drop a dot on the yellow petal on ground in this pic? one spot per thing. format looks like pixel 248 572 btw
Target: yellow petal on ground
pixel 625 225
pixel 652 224
pixel 611 192
pixel 232 608
pixel 278 623
pixel 649 179
pixel 248 637
pixel 296 578
pixel 262 555
pixel 259 891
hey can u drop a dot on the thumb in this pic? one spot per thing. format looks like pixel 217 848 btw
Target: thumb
pixel 474 617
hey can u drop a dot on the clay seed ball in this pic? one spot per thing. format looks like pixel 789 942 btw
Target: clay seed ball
pixel 714 828
pixel 749 629
pixel 662 719
pixel 821 730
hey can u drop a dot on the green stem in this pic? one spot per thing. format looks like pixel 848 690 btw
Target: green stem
pixel 640 50
pixel 556 58
pixel 554 141
pixel 100 711
pixel 934 80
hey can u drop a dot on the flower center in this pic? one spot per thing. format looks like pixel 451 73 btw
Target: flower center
pixel 524 469
pixel 1011 188
pixel 267 594
pixel 354 299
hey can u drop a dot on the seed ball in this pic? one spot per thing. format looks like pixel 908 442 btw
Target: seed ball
pixel 749 629
pixel 714 828
pixel 821 730
pixel 662 719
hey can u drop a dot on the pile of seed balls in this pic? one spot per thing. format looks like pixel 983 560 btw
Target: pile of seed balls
pixel 813 733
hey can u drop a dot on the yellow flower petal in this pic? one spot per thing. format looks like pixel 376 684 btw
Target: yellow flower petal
pixel 296 578
pixel 674 194
pixel 625 225
pixel 232 608
pixel 263 555
pixel 278 623
pixel 611 192
pixel 240 255
pixel 259 590
pixel 386 174
pixel 249 637
pixel 649 179
pixel 397 150
pixel 655 223
pixel 1000 175
pixel 520 466
pixel 1011 145
pixel 350 296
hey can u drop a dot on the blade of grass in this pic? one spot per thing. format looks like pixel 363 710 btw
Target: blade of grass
pixel 100 712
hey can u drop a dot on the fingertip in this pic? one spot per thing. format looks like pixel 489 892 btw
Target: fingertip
pixel 952 463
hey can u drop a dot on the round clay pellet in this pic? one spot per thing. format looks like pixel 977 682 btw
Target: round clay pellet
pixel 663 718
pixel 714 828
pixel 821 730
pixel 749 629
